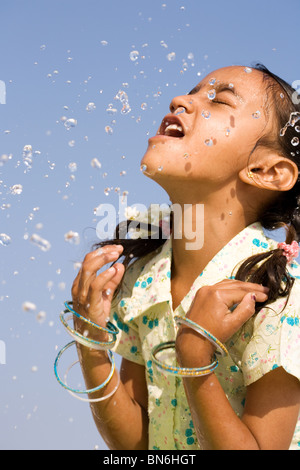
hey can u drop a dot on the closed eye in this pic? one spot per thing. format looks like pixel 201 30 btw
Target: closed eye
pixel 220 102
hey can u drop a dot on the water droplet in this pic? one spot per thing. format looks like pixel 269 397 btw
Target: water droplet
pixel 208 142
pixel 248 69
pixel 295 141
pixel 28 306
pixel 108 130
pixel 123 98
pixel 144 106
pixel 90 107
pixel 72 237
pixel 41 317
pixel 143 168
pixel 211 94
pixel 106 191
pixel 227 133
pixel 16 189
pixel 180 110
pixel 294 118
pixel 171 56
pixel 69 123
pixel 256 115
pixel 72 167
pixel 212 81
pixel 95 163
pixel 297 128
pixel 111 110
pixel 27 155
pixel 134 55
pixel 5 239
pixel 160 168
pixel 104 43
pixel 205 114
pixel 40 242
pixel 282 96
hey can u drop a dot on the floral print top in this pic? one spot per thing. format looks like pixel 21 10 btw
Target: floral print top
pixel 144 315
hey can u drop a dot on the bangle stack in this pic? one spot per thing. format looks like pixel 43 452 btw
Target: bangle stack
pixel 184 371
pixel 107 345
pixel 180 371
pixel 220 348
pixel 92 344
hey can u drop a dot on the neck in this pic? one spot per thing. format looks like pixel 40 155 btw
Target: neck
pixel 201 229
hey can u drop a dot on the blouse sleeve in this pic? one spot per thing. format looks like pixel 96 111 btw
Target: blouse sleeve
pixel 275 341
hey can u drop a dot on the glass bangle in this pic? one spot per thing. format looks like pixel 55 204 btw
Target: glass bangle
pixel 221 348
pixel 89 343
pixel 180 371
pixel 111 327
pixel 96 389
pixel 90 400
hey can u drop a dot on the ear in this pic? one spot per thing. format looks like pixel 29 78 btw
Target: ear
pixel 274 172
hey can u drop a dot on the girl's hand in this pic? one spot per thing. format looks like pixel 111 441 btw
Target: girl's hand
pixel 212 309
pixel 92 293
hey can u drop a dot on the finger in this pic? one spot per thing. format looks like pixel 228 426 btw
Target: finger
pixel 243 311
pixel 246 286
pixel 93 264
pixel 233 297
pixel 105 283
pixel 111 286
pixel 94 296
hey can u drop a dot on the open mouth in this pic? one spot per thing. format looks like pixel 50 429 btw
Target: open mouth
pixel 171 127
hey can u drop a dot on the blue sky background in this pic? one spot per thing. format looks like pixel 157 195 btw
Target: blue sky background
pixel 53 63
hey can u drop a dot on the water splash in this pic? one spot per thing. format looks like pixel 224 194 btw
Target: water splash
pixel 211 94
pixel 72 237
pixel 41 243
pixel 205 114
pixel 294 118
pixel 256 115
pixel 171 56
pixel 134 55
pixel 16 189
pixel 5 239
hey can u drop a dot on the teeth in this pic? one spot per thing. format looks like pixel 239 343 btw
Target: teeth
pixel 173 127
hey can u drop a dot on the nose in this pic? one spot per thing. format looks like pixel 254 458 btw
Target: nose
pixel 184 101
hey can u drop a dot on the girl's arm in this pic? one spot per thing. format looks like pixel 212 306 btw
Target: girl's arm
pixel 121 419
pixel 272 403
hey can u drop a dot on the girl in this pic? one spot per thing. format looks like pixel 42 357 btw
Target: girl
pixel 231 146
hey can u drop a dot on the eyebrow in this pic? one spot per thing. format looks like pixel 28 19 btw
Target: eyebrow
pixel 219 87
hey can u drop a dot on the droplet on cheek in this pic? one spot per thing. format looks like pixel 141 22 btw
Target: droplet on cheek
pixel 205 114
pixel 208 142
pixel 211 94
pixel 256 115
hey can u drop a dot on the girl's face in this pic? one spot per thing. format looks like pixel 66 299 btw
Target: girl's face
pixel 209 134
